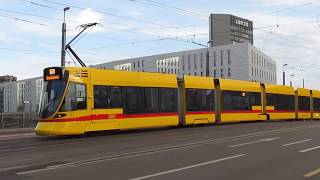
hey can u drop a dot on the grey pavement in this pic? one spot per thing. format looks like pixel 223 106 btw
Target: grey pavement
pixel 265 150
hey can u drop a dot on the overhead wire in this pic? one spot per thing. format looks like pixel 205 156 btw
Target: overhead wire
pixel 116 15
pixel 291 41
pixel 28 50
pixel 286 9
pixel 38 4
pixel 23 20
pixel 151 1
pixel 164 5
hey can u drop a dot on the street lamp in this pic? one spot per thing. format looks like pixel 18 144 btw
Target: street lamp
pixel 283 74
pixel 63 44
pixel 64 13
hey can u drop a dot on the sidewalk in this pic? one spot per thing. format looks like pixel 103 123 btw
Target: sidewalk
pixel 16 131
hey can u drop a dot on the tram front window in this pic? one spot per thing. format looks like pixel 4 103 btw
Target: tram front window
pixel 51 97
pixel 75 98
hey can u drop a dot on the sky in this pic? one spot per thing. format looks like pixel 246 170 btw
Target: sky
pixel 30 37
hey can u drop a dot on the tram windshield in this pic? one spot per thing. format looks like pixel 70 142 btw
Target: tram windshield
pixel 51 97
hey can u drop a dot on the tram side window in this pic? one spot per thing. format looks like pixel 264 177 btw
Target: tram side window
pixel 254 99
pixel 304 103
pixel 115 97
pixel 285 102
pixel 100 97
pixel 107 97
pixel 316 104
pixel 133 102
pixel 199 99
pixel 270 99
pixel 168 100
pixel 280 101
pixel 151 100
pixel 237 100
pixel 75 98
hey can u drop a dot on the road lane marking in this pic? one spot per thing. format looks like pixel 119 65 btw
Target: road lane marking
pixel 187 167
pixel 310 149
pixel 253 142
pixel 312 173
pixel 297 142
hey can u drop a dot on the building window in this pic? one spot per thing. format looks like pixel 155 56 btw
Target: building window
pixel 252 57
pixel 228 57
pixel 201 60
pixel 182 57
pixel 195 61
pixel 214 59
pixel 221 56
pixel 189 62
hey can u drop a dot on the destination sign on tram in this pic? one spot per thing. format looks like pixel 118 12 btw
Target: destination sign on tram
pixel 51 74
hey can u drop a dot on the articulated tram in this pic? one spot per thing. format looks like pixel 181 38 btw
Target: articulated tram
pixel 80 100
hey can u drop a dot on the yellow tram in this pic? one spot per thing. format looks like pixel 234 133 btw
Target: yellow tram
pixel 80 100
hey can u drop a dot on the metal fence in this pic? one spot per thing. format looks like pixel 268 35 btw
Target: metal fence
pixel 18 120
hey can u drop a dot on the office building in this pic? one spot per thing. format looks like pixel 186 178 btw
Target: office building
pixel 227 29
pixel 20 96
pixel 8 97
pixel 234 61
pixel 28 94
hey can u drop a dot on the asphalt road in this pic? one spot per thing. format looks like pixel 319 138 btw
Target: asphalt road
pixel 246 151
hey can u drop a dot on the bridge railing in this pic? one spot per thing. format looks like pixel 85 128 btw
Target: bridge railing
pixel 18 120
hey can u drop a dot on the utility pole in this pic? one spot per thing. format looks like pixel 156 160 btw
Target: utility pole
pixel 303 83
pixel 63 44
pixel 284 75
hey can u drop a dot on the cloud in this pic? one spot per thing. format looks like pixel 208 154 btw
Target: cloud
pixel 84 17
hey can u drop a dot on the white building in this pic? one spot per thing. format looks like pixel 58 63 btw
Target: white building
pixel 28 94
pixel 8 99
pixel 235 61
pixel 20 96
